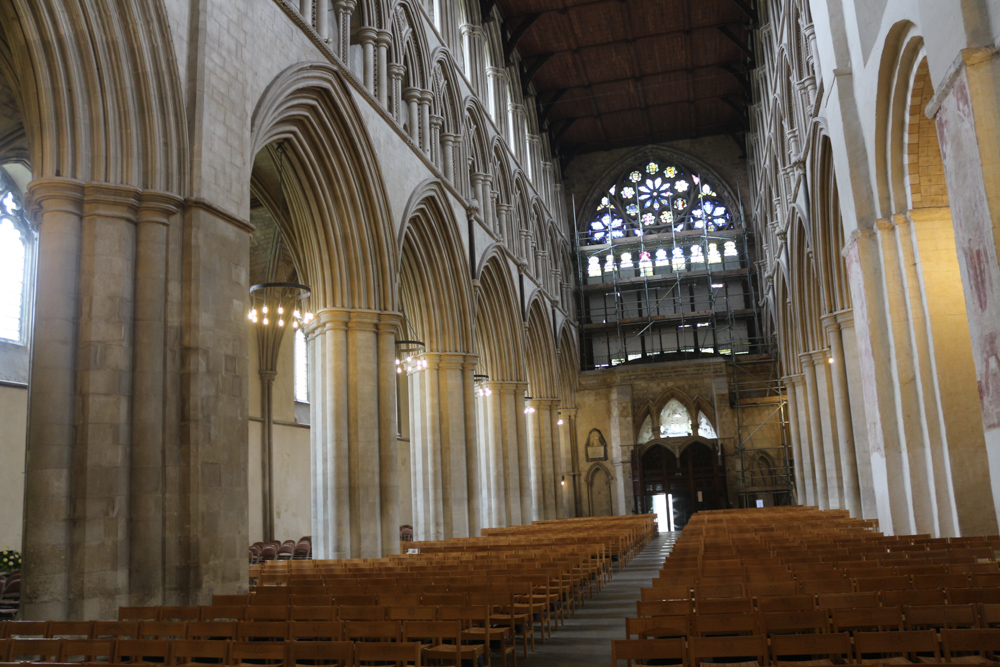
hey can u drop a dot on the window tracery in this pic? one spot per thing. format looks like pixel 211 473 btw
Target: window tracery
pixel 675 420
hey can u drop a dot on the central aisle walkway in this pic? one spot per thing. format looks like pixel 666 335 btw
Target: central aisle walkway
pixel 586 638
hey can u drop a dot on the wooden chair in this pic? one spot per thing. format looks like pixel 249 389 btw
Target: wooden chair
pixel 795 622
pixel 714 625
pixel 478 628
pixel 243 653
pixel 316 630
pixel 724 606
pixel 187 613
pixel 198 652
pixel 897 583
pixel 372 631
pixel 978 645
pixel 142 651
pixel 162 630
pixel 749 650
pixel 86 650
pixel 773 588
pixel 643 651
pixel 867 618
pixel 230 600
pixel 382 653
pixel 262 631
pixel 360 613
pixel 328 613
pixel 412 613
pixel 940 617
pixel 325 654
pixel 989 615
pixel 445 641
pixel 217 630
pixel 896 647
pixel 666 593
pixel 940 581
pixel 70 629
pixel 264 613
pixel 914 598
pixel 663 608
pixel 222 613
pixel 787 603
pixel 25 629
pixel 138 613
pixel 657 627
pixel 114 630
pixel 973 595
pixel 34 649
pixel 826 586
pixel 812 649
pixel 847 600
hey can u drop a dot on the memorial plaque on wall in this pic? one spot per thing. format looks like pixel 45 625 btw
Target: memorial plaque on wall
pixel 597 446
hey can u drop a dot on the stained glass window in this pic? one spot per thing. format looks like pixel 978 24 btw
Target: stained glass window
pixel 301 368
pixel 705 428
pixel 14 244
pixel 675 420
pixel 658 198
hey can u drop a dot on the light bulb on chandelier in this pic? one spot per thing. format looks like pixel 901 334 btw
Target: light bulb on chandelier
pixel 268 297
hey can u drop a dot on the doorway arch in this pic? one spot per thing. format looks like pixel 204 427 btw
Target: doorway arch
pixel 689 470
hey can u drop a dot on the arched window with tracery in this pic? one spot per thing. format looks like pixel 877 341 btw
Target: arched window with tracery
pixel 665 265
pixel 675 420
pixel 16 253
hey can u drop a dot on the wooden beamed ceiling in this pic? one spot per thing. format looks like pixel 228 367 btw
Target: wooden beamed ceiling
pixel 615 73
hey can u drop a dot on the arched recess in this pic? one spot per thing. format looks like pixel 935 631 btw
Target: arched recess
pixel 688 470
pixel 500 391
pixel 339 229
pixel 599 498
pixel 478 178
pixel 541 410
pixel 436 297
pixel 568 373
pixel 447 108
pixel 410 91
pixel 944 436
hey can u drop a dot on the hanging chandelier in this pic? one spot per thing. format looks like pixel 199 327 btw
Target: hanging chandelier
pixel 528 409
pixel 274 303
pixel 408 354
pixel 480 381
pixel 278 304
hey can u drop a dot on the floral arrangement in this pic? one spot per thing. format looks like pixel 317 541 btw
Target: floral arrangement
pixel 10 560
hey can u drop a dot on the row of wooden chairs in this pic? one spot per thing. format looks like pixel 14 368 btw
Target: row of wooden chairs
pixel 811 600
pixel 813 621
pixel 198 653
pixel 901 647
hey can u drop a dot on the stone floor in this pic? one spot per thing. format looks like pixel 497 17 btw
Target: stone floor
pixel 586 638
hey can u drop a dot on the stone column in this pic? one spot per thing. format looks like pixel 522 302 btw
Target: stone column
pixel 389 327
pixel 808 479
pixel 99 563
pixel 412 98
pixel 796 444
pixel 367 36
pixel 503 224
pixel 524 461
pixel 448 143
pixel 383 39
pixel 547 178
pixel 965 114
pixel 440 444
pixel 505 414
pixel 859 421
pixel 568 471
pixel 323 19
pixel 831 446
pixel 396 72
pixel 472 39
pixel 910 413
pixel 436 123
pixel 621 441
pixel 478 192
pixel 533 158
pixel 146 502
pixel 535 457
pixel 306 10
pixel 364 443
pixel 497 98
pixel 890 470
pixel 842 411
pixel 475 491
pixel 345 8
pixel 426 97
pixel 815 431
pixel 331 476
pixel 56 207
pixel 544 479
